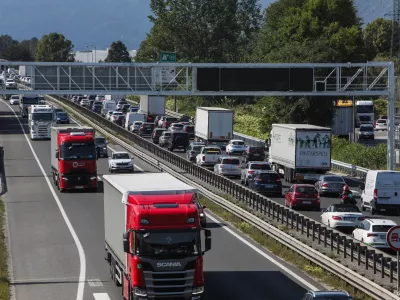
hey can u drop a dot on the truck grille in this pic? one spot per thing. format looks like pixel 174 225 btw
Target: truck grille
pixel 42 130
pixel 169 284
pixel 122 164
pixel 78 179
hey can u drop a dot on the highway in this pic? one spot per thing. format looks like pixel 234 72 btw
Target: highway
pixel 57 239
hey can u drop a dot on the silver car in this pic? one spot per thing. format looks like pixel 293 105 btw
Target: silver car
pixel 176 127
pixel 366 132
pixel 330 184
pixel 249 169
pixel 228 166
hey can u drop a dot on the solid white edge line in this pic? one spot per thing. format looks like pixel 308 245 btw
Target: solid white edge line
pixel 101 296
pixel 262 253
pixel 82 258
pixel 266 256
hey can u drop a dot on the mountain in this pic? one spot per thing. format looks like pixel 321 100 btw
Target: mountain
pixel 100 22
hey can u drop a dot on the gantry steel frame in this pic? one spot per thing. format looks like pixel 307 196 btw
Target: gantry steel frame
pixel 180 79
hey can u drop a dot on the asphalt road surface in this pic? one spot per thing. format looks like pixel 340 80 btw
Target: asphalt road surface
pixel 57 239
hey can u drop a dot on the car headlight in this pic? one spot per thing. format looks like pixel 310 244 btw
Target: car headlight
pixel 105 148
pixel 198 290
pixel 131 163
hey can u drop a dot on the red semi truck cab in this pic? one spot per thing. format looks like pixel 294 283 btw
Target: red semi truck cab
pixel 73 157
pixel 153 237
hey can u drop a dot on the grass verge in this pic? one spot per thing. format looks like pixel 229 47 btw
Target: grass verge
pixel 4 281
pixel 290 256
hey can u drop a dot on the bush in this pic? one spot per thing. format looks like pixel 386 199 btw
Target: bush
pixel 357 154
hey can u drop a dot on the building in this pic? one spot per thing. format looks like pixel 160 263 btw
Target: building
pixel 95 55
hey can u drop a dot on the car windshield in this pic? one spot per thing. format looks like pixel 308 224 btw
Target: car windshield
pixel 260 167
pixel 100 140
pixel 177 125
pixel 42 116
pixel 238 143
pixel 189 128
pixel 381 121
pixel 15 97
pixel 345 208
pixel 26 100
pixel 84 150
pixel 168 243
pixel 366 128
pixel 148 125
pixel 197 148
pixel 381 228
pixel 117 114
pixel 333 178
pixel 137 123
pixel 61 115
pixel 230 161
pixel 256 149
pixel 120 156
pixel 126 106
pixel 306 190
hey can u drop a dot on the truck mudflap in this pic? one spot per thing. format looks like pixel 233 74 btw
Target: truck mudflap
pixel 79 181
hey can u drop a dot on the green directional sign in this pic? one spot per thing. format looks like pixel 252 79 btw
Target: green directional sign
pixel 167 57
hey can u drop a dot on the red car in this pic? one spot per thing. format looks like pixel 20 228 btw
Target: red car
pixel 303 196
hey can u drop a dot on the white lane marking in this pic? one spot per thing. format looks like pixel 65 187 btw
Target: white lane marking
pixel 82 258
pixel 265 255
pixel 101 296
pixel 95 283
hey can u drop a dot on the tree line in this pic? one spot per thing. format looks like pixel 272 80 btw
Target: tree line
pixel 53 47
pixel 288 31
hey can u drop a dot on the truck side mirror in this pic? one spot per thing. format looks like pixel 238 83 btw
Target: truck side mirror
pixel 207 242
pixel 125 241
pixel 57 154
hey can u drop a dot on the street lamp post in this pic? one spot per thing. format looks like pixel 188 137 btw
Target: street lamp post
pixel 94 48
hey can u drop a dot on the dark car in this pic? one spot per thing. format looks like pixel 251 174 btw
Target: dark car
pixel 125 108
pixel 254 153
pixel 327 295
pixel 62 117
pixel 266 182
pixel 190 130
pixel 97 108
pixel 177 140
pixel 155 136
pixel 120 120
pixel 194 149
pixel 168 121
pixel 101 146
pixel 146 129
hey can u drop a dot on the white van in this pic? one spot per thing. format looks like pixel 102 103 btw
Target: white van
pixel 132 117
pixel 108 105
pixel 381 191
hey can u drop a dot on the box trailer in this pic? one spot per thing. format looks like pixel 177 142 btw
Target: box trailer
pixel 343 121
pixel 214 124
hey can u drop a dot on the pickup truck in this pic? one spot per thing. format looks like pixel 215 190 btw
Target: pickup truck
pixel 208 156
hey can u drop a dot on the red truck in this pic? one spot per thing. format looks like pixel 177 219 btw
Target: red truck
pixel 73 157
pixel 153 236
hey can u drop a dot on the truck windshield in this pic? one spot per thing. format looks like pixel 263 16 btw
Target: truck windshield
pixel 168 243
pixel 42 116
pixel 30 100
pixel 84 150
pixel 365 109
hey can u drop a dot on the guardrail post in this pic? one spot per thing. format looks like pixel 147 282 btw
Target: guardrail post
pixel 325 236
pixel 273 210
pixel 391 266
pixel 287 217
pixel 376 257
pixel 291 219
pixel 319 234
pixel 282 209
pixel 302 224
pixel 308 228
pixel 277 212
pixel 345 247
pixel 338 239
pixel 384 261
pixel 269 209
pixel 359 249
pixel 332 239
pixel 366 258
pixel 352 251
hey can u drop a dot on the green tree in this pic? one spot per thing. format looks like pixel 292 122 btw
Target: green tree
pixel 5 42
pixel 30 45
pixel 54 47
pixel 378 38
pixel 17 52
pixel 300 31
pixel 118 53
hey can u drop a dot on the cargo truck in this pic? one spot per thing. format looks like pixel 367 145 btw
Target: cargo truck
pixel 26 101
pixel 300 151
pixel 26 71
pixel 343 122
pixel 152 106
pixel 153 237
pixel 39 121
pixel 214 125
pixel 73 157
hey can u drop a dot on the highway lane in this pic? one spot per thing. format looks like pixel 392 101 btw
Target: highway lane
pixel 232 269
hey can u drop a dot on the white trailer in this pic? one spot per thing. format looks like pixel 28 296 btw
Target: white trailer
pixel 152 105
pixel 343 121
pixel 26 71
pixel 214 124
pixel 300 151
pixel 40 118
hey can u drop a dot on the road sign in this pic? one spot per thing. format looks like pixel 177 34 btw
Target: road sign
pixel 393 238
pixel 165 75
pixel 344 103
pixel 167 57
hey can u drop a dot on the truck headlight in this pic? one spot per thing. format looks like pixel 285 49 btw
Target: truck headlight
pixel 141 292
pixel 198 290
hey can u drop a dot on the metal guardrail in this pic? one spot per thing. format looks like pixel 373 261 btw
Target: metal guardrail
pixel 349 169
pixel 342 244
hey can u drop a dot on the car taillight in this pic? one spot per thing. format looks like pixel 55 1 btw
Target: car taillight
pixel 198 272
pixel 375 194
pixel 258 179
pixel 250 172
pixel 141 127
pixel 239 166
pixel 137 270
pixel 371 234
pixel 325 185
pixel 221 166
pixel 278 180
pixel 361 218
pixel 336 218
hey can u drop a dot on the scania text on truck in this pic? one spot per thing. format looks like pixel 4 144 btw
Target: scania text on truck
pixel 73 157
pixel 40 119
pixel 153 236
pixel 26 101
pixel 300 151
pixel 152 106
pixel 214 125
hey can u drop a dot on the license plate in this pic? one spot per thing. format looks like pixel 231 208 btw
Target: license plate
pixel 268 185
pixel 257 154
pixel 79 187
pixel 306 202
pixel 348 219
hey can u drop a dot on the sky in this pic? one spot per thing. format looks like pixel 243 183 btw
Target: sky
pixel 100 22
